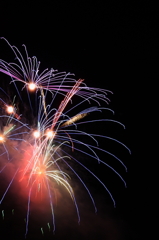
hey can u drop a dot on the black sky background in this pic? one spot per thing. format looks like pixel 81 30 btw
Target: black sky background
pixel 108 43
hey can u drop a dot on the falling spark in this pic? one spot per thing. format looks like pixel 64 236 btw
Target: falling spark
pixel 3 214
pixel 42 231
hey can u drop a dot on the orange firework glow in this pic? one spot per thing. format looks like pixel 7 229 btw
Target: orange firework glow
pixel 50 134
pixel 36 134
pixel 10 109
pixel 1 138
pixel 32 86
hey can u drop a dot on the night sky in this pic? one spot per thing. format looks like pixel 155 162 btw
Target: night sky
pixel 107 43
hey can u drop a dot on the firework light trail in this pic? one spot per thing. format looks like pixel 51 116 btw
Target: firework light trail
pixel 41 140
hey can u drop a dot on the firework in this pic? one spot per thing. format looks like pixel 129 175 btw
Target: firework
pixel 45 145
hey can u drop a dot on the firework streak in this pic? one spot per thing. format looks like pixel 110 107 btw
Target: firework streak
pixel 45 140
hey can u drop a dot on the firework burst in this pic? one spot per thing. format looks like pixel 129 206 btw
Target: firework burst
pixel 42 144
